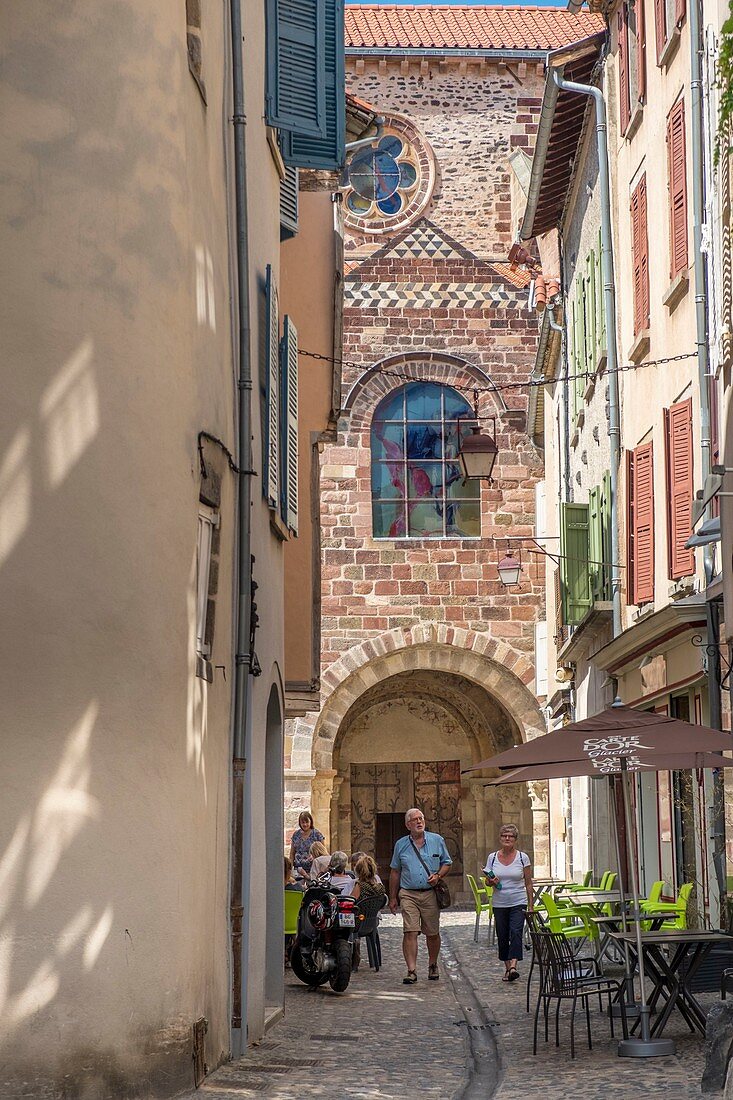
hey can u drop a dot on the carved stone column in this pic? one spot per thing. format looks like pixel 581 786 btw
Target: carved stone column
pixel 479 794
pixel 538 796
pixel 322 788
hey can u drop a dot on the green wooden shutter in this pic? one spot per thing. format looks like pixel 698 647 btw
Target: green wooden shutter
pixel 328 151
pixel 290 425
pixel 590 323
pixel 581 363
pixel 575 357
pixel 271 480
pixel 600 299
pixel 574 570
pixel 606 521
pixel 595 543
pixel 289 203
pixel 296 66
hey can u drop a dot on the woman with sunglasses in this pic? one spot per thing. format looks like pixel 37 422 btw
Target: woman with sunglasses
pixel 509 873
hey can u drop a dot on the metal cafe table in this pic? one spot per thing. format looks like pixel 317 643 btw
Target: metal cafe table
pixel 607 925
pixel 672 973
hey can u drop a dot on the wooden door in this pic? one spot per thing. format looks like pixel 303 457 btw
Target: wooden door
pixel 389 829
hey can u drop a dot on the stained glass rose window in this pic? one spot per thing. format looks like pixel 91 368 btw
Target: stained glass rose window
pixel 382 179
pixel 417 485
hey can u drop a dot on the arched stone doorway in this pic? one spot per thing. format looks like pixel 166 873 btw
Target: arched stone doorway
pixel 460 696
pixel 405 742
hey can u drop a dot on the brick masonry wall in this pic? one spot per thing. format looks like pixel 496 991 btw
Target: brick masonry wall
pixel 450 316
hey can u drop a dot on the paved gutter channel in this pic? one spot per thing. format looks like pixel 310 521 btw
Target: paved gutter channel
pixel 485 1068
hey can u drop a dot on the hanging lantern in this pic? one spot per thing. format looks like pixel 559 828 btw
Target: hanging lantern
pixel 477 454
pixel 510 569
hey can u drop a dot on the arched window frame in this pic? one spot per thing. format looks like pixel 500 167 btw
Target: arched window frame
pixel 418 491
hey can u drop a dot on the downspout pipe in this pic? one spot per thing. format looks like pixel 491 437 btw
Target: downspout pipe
pixel 244 558
pixel 609 308
pixel 700 268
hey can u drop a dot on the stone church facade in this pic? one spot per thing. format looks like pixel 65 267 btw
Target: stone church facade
pixel 427 663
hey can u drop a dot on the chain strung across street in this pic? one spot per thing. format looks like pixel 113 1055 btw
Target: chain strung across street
pixel 530 383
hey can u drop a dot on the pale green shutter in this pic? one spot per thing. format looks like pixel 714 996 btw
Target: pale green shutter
pixel 581 363
pixel 600 300
pixel 290 424
pixel 574 570
pixel 575 357
pixel 595 543
pixel 271 480
pixel 296 63
pixel 328 151
pixel 591 313
pixel 606 521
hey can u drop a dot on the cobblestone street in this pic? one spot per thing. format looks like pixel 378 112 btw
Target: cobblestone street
pixel 385 1039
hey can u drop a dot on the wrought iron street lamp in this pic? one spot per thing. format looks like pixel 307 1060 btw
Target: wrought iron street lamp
pixel 510 569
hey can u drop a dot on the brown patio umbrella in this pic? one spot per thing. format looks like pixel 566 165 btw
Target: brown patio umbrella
pixel 620 739
pixel 616 732
pixel 663 763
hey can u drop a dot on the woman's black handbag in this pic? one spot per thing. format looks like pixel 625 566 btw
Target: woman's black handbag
pixel 442 891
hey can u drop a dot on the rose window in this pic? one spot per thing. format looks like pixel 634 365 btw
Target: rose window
pixel 381 179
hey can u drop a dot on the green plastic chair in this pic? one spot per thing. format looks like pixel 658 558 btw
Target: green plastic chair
pixel 292 900
pixel 604 879
pixel 677 909
pixel 483 902
pixel 654 897
pixel 571 921
pixel 586 884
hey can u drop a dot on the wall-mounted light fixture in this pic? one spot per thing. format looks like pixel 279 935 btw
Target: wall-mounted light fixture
pixel 477 452
pixel 510 569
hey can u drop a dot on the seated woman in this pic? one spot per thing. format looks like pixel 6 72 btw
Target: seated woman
pixel 321 858
pixel 290 883
pixel 339 878
pixel 368 883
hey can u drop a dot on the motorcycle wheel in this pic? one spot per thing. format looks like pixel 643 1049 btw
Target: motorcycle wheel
pixel 340 977
pixel 308 977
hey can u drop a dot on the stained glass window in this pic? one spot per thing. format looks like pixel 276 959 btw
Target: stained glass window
pixel 417 486
pixel 381 178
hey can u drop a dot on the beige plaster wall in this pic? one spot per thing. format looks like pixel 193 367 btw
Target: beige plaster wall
pixel 114 815
pixel 310 266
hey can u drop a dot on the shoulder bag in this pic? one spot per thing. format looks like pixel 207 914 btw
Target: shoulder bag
pixel 442 890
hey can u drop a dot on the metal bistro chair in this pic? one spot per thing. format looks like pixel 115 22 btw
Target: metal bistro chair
pixel 368 910
pixel 564 978
pixel 536 921
pixel 482 897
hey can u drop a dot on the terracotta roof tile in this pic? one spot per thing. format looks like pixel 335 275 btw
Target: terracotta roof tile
pixel 464 27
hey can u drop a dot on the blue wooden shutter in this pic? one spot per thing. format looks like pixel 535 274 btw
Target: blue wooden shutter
pixel 296 55
pixel 289 204
pixel 290 425
pixel 328 151
pixel 574 570
pixel 271 480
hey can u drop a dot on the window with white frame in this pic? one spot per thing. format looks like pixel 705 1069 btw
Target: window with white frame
pixel 208 522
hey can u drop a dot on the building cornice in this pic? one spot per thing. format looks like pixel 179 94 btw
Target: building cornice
pixel 652 632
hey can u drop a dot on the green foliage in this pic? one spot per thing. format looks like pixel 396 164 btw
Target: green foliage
pixel 725 84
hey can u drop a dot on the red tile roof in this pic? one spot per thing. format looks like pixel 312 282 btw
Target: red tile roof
pixel 464 27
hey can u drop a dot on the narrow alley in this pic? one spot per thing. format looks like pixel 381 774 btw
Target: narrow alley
pixel 466 1036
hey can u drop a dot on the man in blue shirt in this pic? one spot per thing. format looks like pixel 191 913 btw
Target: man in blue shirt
pixel 418 861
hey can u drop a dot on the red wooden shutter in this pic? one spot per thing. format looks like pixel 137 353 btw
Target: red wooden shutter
pixel 640 50
pixel 680 488
pixel 623 68
pixel 679 11
pixel 676 166
pixel 644 523
pixel 660 26
pixel 640 256
pixel 630 548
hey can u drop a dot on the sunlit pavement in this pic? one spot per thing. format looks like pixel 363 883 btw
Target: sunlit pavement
pixel 384 1039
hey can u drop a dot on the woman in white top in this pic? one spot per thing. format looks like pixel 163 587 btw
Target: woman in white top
pixel 508 871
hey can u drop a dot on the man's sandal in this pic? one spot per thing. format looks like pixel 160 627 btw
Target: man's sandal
pixel 513 974
pixel 433 974
pixel 411 978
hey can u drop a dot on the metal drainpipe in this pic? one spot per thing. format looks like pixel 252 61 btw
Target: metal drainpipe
pixel 698 213
pixel 609 304
pixel 242 715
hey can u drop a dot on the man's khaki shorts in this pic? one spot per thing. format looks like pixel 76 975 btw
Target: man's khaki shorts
pixel 420 911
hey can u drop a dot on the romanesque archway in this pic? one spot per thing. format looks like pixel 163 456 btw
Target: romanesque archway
pixel 460 689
